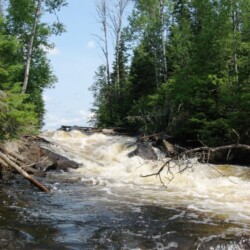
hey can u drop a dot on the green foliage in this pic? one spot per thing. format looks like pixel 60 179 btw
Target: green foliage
pixel 16 116
pixel 19 23
pixel 206 96
pixel 23 113
pixel 150 113
pixel 142 73
pixel 102 95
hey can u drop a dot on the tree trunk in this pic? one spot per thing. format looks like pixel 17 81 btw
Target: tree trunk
pixel 118 37
pixel 235 30
pixel 116 20
pixel 164 58
pixel 30 48
pixel 106 53
pixel 102 15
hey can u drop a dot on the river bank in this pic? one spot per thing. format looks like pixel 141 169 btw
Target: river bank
pixel 31 154
pixel 38 158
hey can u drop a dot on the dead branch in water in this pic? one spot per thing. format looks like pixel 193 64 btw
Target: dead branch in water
pixel 184 160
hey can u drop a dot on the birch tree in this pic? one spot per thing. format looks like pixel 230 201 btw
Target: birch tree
pixel 24 21
pixel 116 18
pixel 102 10
pixel 30 47
pixel 163 42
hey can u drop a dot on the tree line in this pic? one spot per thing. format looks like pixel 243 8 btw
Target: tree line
pixel 182 67
pixel 25 70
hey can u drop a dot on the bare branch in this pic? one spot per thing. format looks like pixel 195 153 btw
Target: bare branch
pixel 184 161
pixel 102 10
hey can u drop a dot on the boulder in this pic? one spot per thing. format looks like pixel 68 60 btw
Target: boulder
pixel 44 160
pixel 145 151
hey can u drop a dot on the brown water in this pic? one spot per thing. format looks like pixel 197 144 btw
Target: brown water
pixel 106 204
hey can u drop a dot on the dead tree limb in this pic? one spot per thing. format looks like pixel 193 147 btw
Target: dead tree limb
pixel 4 158
pixel 214 149
pixel 184 162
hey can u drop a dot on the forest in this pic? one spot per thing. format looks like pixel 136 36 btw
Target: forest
pixel 180 67
pixel 25 70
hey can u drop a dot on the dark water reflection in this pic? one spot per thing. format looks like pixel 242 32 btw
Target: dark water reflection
pixel 74 216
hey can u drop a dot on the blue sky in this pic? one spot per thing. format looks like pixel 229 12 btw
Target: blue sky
pixel 74 59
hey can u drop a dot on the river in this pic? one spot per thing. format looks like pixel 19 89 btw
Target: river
pixel 107 204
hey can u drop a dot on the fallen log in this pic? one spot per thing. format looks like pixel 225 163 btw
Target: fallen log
pixel 3 163
pixel 4 158
pixel 12 154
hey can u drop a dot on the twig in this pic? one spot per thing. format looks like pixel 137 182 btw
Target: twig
pixel 221 173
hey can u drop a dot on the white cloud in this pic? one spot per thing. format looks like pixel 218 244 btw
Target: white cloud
pixel 91 44
pixel 85 114
pixel 51 51
pixel 80 118
pixel 53 122
pixel 46 98
pixel 55 51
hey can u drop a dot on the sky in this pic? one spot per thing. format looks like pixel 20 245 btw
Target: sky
pixel 74 60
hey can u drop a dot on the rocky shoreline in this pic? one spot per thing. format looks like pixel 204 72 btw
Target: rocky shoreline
pixel 38 159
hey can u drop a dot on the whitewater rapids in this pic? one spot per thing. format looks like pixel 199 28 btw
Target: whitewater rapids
pixel 207 192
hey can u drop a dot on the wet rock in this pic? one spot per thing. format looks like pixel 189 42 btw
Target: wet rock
pixel 44 164
pixel 62 165
pixel 144 151
pixel 44 160
pixel 30 152
pixel 58 161
pixel 6 175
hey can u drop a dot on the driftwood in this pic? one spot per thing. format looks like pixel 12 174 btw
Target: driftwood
pixel 3 163
pixel 12 154
pixel 4 158
pixel 184 161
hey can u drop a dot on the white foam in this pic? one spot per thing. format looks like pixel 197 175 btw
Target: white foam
pixel 216 190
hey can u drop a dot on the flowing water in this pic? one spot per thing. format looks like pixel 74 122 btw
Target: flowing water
pixel 107 204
